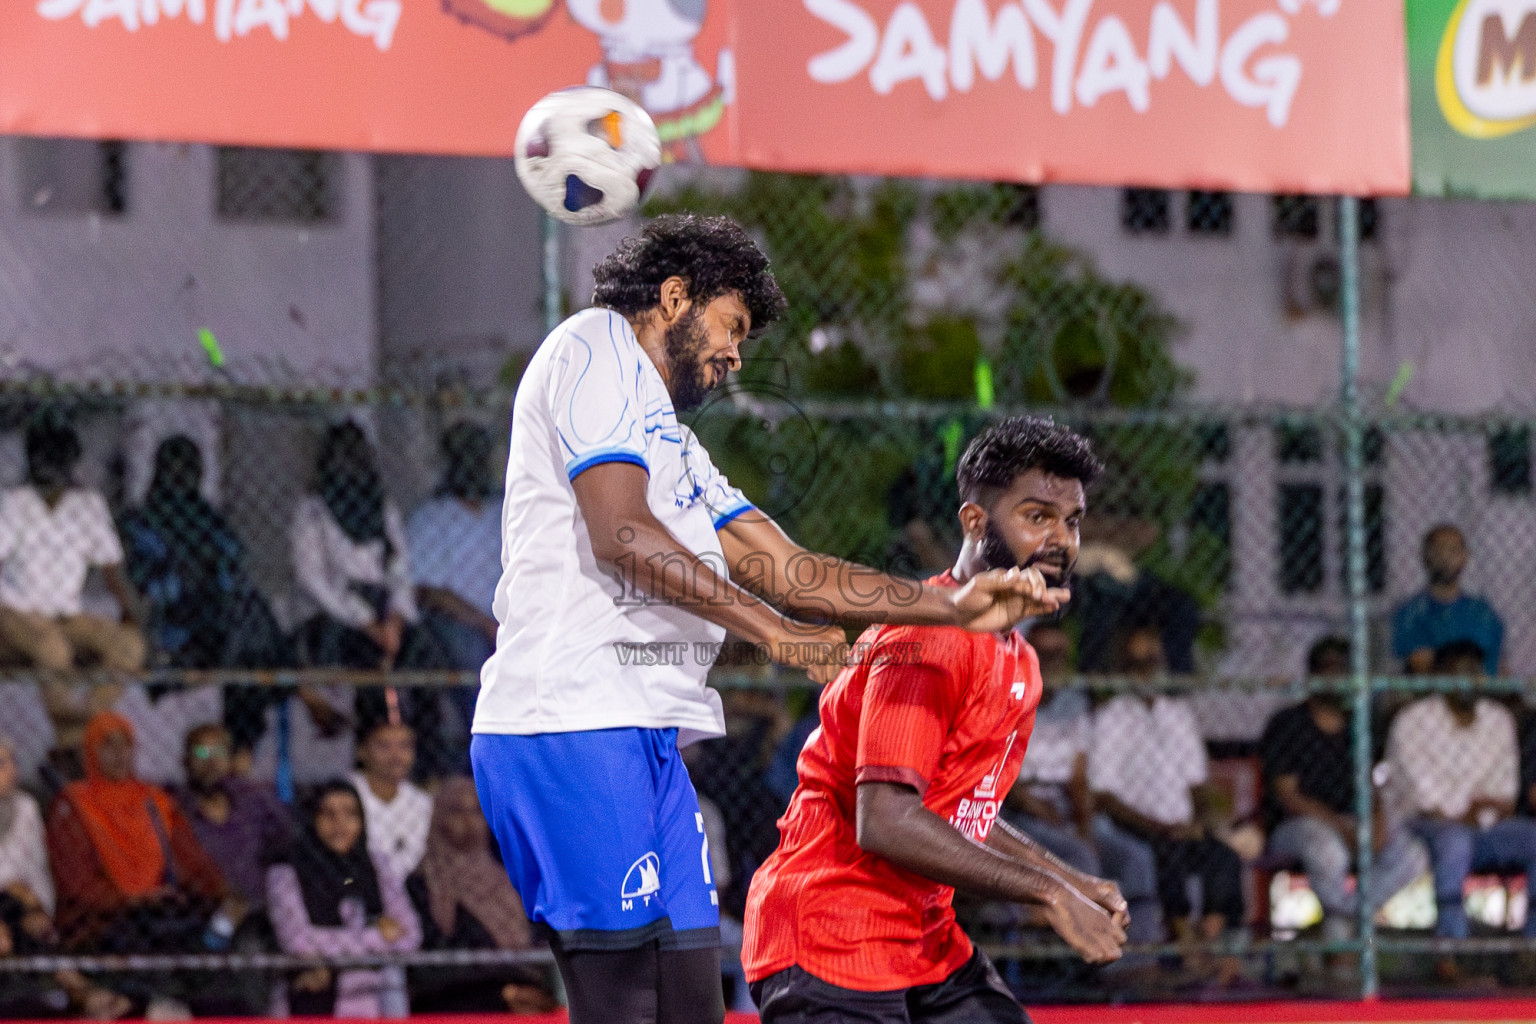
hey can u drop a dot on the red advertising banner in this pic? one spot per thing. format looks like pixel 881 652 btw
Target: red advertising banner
pixel 1247 94
pixel 1255 95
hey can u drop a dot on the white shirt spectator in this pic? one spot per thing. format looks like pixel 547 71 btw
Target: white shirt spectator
pixel 397 829
pixel 1063 732
pixel 458 549
pixel 23 852
pixel 312 758
pixel 1148 757
pixel 326 562
pixel 162 725
pixel 1441 767
pixel 46 552
pixel 28 729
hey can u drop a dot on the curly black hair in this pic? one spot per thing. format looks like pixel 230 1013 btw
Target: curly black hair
pixel 713 254
pixel 1003 451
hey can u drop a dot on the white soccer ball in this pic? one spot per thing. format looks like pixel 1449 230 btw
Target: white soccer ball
pixel 587 154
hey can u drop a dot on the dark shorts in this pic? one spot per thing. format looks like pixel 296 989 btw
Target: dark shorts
pixel 972 993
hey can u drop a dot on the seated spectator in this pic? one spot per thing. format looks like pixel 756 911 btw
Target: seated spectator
pixel 1144 766
pixel 466 901
pixel 1442 613
pixel 455 543
pixel 1310 773
pixel 27 905
pixel 351 561
pixel 332 898
pixel 1113 595
pixel 240 823
pixel 24 873
pixel 51 534
pixel 1455 770
pixel 398 813
pixel 131 875
pixel 203 609
pixel 163 713
pixel 306 738
pixel 1051 801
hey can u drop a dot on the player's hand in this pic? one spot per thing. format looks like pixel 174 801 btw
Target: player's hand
pixel 998 598
pixel 1086 928
pixel 390 929
pixel 819 651
pixel 1107 895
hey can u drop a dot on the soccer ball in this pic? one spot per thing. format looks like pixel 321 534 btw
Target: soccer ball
pixel 587 154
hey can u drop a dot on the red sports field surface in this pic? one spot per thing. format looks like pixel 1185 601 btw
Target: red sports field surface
pixel 1490 1011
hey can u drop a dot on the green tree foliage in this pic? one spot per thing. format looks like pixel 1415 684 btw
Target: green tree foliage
pixel 1060 335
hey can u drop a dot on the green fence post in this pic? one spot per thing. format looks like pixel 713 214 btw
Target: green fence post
pixel 1355 575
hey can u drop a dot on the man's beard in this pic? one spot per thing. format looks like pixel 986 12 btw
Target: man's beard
pixel 685 344
pixel 998 555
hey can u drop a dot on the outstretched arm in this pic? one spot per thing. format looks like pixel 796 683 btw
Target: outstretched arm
pixel 817 586
pixel 653 565
pixel 893 823
pixel 1015 845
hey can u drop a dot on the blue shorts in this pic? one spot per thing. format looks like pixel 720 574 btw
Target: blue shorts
pixel 602 836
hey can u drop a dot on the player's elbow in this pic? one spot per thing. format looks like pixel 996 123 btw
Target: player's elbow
pixel 872 834
pixel 878 819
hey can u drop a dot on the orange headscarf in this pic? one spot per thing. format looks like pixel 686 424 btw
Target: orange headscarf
pixel 128 841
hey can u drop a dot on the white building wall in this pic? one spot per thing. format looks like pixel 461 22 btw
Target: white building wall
pixel 92 296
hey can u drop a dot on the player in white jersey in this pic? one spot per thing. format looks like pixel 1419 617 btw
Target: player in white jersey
pixel 620 543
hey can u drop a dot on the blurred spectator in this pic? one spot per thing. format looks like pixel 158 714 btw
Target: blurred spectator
pixel 163 713
pixel 203 609
pixel 26 909
pixel 240 823
pixel 351 561
pixel 455 543
pixel 398 813
pixel 1310 772
pixel 1442 613
pixel 306 739
pixel 131 875
pixel 24 875
pixel 1051 801
pixel 730 772
pixel 1113 595
pixel 331 898
pixel 1455 769
pixel 466 901
pixel 51 534
pixel 1144 765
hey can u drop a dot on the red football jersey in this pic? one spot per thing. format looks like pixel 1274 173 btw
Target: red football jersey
pixel 944 710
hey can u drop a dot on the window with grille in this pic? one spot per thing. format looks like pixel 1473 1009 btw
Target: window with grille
pixel 286 186
pixel 1296 216
pixel 1314 537
pixel 1208 213
pixel 1210 511
pixel 73 176
pixel 1144 211
pixel 1509 461
pixel 1370 217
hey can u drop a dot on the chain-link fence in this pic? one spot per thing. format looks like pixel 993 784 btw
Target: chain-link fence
pixel 221 593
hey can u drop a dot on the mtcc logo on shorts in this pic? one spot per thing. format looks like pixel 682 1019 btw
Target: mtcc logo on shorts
pixel 642 882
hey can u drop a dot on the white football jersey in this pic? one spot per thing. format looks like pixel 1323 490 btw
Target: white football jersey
pixel 576 649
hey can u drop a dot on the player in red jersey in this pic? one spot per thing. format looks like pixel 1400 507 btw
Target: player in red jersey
pixel 900 787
